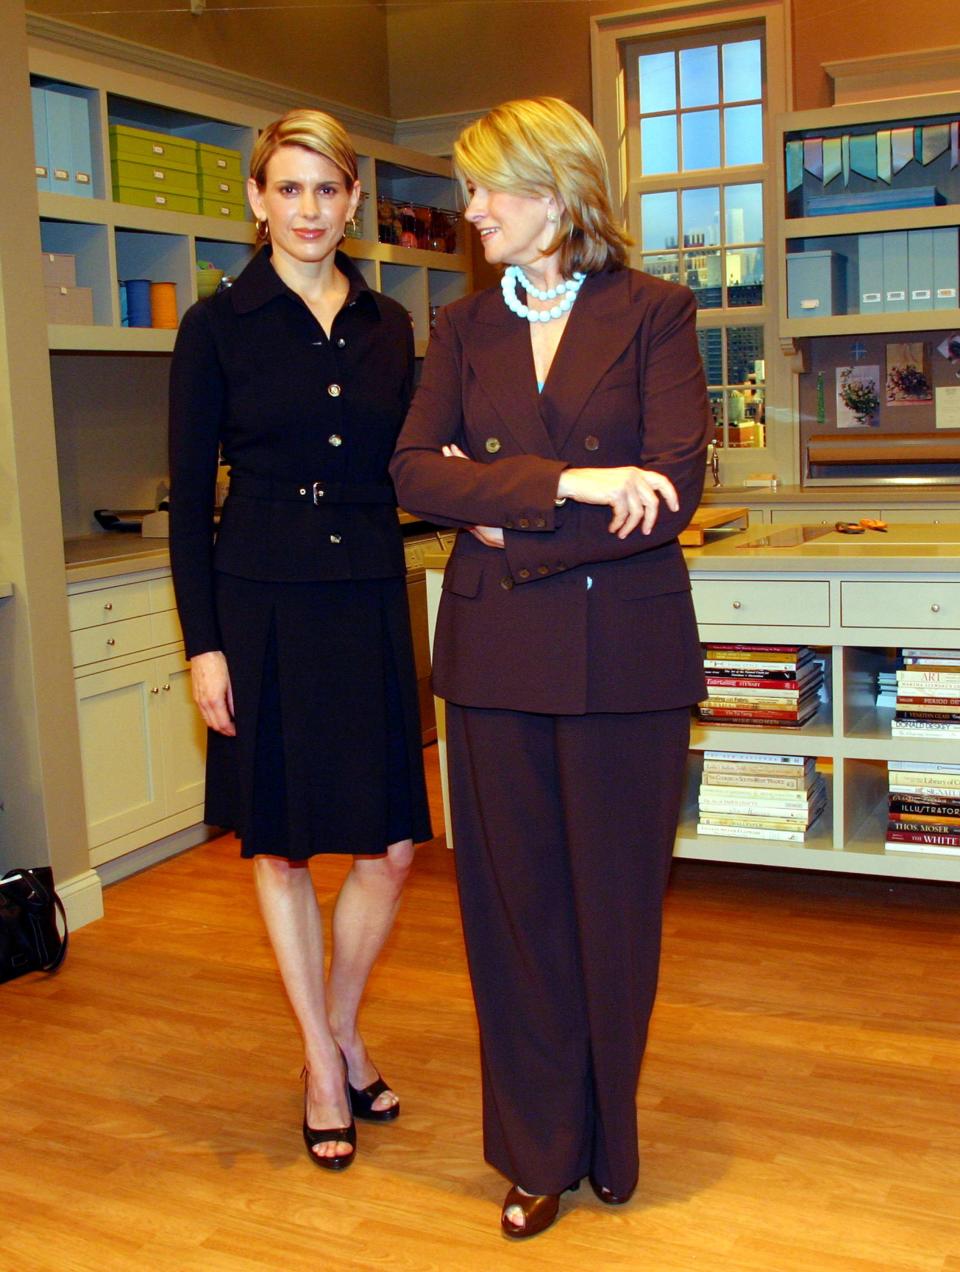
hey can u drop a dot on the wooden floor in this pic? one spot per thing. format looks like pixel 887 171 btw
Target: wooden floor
pixel 799 1108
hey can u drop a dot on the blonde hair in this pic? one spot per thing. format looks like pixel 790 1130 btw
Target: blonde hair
pixel 543 146
pixel 313 130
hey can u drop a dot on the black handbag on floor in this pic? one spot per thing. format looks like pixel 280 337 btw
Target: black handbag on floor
pixel 30 939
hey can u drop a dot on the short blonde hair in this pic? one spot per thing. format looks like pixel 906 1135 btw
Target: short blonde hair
pixel 543 146
pixel 313 130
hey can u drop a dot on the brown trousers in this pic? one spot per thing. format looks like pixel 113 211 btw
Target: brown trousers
pixel 563 830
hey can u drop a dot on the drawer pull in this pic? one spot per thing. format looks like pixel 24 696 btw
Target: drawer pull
pixel 166 688
pixel 108 605
pixel 154 689
pixel 111 641
pixel 736 605
pixel 934 608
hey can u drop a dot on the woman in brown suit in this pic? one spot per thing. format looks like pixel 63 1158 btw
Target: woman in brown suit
pixel 562 423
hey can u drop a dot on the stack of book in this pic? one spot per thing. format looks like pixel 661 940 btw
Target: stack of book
pixel 928 694
pixel 770 685
pixel 747 796
pixel 924 811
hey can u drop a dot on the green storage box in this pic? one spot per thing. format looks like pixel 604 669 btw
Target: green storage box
pixel 217 159
pixel 168 199
pixel 139 144
pixel 146 176
pixel 223 210
pixel 227 189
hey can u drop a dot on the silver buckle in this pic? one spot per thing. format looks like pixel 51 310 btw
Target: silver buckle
pixel 318 492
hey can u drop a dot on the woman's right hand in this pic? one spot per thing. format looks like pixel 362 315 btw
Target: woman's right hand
pixel 633 493
pixel 212 691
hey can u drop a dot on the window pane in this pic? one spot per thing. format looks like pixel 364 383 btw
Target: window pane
pixel 744 350
pixel 741 71
pixel 662 265
pixel 701 272
pixel 710 340
pixel 701 217
pixel 744 204
pixel 658 219
pixel 716 410
pixel 743 135
pixel 699 81
pixel 745 277
pixel 658 82
pixel 658 145
pixel 701 140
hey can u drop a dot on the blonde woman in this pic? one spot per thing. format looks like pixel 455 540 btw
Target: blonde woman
pixel 296 621
pixel 562 424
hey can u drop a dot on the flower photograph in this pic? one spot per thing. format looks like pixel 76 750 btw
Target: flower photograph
pixel 858 398
pixel 908 379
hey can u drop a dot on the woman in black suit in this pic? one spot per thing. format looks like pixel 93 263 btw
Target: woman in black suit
pixel 562 422
pixel 295 622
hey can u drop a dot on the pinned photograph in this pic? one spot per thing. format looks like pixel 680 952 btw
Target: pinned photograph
pixel 858 397
pixel 908 376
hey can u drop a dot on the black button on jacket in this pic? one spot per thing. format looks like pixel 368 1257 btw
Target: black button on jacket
pixel 251 375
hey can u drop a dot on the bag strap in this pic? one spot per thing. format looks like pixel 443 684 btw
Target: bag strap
pixel 47 894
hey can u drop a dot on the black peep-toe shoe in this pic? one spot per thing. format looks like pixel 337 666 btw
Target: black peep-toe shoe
pixel 346 1134
pixel 361 1102
pixel 539 1211
pixel 608 1196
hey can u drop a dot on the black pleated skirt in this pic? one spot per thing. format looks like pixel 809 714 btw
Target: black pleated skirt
pixel 328 755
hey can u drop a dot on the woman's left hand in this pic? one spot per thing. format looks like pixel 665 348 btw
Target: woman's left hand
pixel 489 536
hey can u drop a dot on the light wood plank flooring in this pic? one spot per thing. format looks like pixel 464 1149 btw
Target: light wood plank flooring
pixel 799 1108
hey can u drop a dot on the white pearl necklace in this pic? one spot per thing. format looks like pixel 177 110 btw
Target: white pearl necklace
pixel 567 291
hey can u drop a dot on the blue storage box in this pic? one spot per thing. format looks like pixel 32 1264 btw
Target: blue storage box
pixel 816 284
pixel 879 200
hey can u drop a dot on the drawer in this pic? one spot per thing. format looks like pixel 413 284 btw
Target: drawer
pixel 108 605
pixel 144 146
pixel 766 603
pixel 94 644
pixel 168 199
pixel 923 516
pixel 165 628
pixel 161 595
pixel 217 186
pixel 225 211
pixel 935 606
pixel 820 516
pixel 220 160
pixel 148 176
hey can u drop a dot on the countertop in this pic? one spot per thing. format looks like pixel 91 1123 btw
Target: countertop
pixel 907 549
pixel 100 556
pixel 865 496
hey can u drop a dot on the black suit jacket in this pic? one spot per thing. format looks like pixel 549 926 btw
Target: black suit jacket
pixel 254 373
pixel 568 618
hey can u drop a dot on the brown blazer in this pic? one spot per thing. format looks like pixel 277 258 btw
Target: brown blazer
pixel 568 618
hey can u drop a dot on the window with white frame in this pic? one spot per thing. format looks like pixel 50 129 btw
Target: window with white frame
pixel 696 200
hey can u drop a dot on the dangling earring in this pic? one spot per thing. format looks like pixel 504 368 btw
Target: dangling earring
pixel 263 229
pixel 353 226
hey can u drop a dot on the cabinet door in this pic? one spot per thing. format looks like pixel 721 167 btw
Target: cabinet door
pixel 183 735
pixel 120 750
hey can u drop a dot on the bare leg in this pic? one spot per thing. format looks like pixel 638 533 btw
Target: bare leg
pixel 291 913
pixel 362 920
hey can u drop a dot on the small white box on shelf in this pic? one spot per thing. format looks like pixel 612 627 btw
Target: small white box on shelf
pixel 816 284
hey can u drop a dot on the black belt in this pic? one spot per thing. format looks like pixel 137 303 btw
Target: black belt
pixel 315 492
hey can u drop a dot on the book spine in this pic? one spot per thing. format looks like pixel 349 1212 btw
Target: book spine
pixel 745 664
pixel 749 832
pixel 755 757
pixel 923 766
pixel 911 804
pixel 923 837
pixel 735 713
pixel 929 777
pixel 751 649
pixel 933 824
pixel 938 679
pixel 757 781
pixel 900 845
pixel 913 788
pixel 915 700
pixel 764 823
pixel 765 687
pixel 753 672
pixel 748 701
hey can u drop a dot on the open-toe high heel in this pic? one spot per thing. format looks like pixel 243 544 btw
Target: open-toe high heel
pixel 362 1101
pixel 608 1196
pixel 539 1211
pixel 333 1135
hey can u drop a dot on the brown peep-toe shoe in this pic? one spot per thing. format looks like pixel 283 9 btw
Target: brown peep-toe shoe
pixel 346 1134
pixel 539 1211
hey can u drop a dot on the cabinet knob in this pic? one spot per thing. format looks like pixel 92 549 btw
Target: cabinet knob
pixel 934 608
pixel 154 689
pixel 736 605
pixel 108 605
pixel 166 688
pixel 111 641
